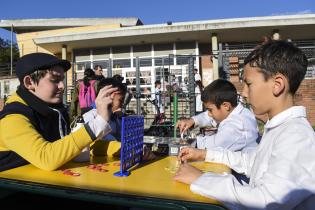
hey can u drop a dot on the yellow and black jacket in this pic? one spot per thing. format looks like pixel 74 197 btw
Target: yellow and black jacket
pixel 32 131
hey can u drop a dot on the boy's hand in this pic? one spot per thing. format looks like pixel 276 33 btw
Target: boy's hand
pixel 189 153
pixel 103 100
pixel 185 124
pixel 187 174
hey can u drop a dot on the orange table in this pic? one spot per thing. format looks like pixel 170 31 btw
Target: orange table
pixel 148 185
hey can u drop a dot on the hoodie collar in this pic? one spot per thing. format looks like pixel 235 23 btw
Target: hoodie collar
pixel 36 103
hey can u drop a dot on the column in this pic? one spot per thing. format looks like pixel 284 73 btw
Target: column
pixel 214 43
pixel 64 57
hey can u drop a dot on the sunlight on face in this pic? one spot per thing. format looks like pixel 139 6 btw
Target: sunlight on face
pixel 117 100
pixel 50 88
pixel 217 114
pixel 256 91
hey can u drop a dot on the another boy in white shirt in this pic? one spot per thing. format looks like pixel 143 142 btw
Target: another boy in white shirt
pixel 237 127
pixel 282 168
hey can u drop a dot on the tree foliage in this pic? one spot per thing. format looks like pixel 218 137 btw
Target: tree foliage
pixel 5 51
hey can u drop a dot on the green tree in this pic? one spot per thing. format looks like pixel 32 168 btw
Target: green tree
pixel 5 51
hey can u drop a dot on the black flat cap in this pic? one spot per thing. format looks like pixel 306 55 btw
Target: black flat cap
pixel 30 63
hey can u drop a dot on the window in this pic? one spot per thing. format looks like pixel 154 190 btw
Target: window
pixel 167 61
pixel 121 63
pixel 143 62
pixel 81 66
pixel 162 74
pixel 182 60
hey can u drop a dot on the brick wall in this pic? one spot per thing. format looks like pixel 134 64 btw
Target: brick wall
pixel 305 96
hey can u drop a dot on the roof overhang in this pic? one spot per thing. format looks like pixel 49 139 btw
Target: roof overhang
pixel 295 27
pixel 32 25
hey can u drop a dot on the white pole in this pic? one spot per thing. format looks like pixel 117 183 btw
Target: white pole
pixel 11 50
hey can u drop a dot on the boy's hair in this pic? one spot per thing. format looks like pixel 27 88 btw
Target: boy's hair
pixel 98 66
pixel 220 91
pixel 38 75
pixel 157 82
pixel 118 77
pixel 114 82
pixel 88 75
pixel 281 57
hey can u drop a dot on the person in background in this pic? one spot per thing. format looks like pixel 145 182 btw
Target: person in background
pixel 197 75
pixel 158 97
pixel 98 69
pixel 83 95
pixel 184 85
pixel 282 167
pixel 198 90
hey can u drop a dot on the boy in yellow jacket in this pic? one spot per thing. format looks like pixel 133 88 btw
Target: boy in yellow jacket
pixel 34 124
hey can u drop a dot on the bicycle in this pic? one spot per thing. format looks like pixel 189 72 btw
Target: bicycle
pixel 159 127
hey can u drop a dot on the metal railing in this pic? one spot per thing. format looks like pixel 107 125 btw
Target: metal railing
pixel 5 70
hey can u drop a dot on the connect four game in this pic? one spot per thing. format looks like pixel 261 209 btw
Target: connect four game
pixel 131 143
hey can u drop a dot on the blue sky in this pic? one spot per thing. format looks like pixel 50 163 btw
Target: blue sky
pixel 151 11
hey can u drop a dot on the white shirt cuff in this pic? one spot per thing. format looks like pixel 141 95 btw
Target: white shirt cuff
pixel 203 120
pixel 214 155
pixel 99 126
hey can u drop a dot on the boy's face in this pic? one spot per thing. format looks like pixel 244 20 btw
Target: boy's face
pixel 50 88
pixel 218 114
pixel 257 92
pixel 117 100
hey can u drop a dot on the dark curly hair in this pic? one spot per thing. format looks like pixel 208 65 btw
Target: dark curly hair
pixel 282 57
pixel 220 91
pixel 114 82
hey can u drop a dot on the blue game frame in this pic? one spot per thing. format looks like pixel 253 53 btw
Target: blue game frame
pixel 131 150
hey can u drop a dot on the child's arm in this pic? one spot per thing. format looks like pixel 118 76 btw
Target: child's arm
pixel 282 182
pixel 189 153
pixel 200 120
pixel 240 162
pixel 230 135
pixel 203 120
pixel 187 174
pixel 24 139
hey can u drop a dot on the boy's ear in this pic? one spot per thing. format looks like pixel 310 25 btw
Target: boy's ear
pixel 280 83
pixel 28 83
pixel 227 106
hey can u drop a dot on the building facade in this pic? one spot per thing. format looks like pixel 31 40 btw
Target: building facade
pixel 166 52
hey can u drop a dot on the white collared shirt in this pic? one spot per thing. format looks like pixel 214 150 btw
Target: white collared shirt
pixel 281 168
pixel 238 131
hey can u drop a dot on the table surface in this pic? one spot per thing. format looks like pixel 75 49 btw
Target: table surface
pixel 152 179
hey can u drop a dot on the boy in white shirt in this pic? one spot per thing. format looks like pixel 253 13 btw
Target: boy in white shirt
pixel 282 168
pixel 237 127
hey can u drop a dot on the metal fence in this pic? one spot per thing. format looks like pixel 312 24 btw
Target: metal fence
pixel 140 76
pixel 231 61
